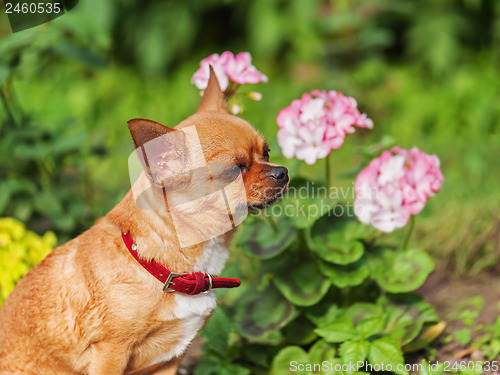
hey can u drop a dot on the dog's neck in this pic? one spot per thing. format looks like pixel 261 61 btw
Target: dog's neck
pixel 156 238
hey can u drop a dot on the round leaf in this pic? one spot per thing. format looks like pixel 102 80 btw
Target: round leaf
pixel 288 357
pixel 306 202
pixel 342 276
pixel 363 310
pixel 337 240
pixel 260 313
pixel 301 282
pixel 321 351
pixel 257 238
pixel 403 270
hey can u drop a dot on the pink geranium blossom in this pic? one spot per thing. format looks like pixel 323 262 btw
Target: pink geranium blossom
pixel 312 126
pixel 395 186
pixel 227 67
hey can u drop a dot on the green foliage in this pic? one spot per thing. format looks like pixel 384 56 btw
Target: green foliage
pixel 20 250
pixel 218 331
pixel 37 162
pixel 487 339
pixel 424 71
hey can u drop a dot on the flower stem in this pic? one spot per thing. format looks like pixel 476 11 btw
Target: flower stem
pixel 231 90
pixel 409 232
pixel 327 171
pixel 270 221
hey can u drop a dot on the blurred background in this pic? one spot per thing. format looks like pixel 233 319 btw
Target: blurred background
pixel 427 72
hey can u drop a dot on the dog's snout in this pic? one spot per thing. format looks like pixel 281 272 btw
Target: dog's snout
pixel 279 173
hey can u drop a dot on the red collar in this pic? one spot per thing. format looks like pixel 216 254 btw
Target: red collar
pixel 188 283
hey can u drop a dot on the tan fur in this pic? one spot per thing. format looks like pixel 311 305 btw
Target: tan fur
pixel 89 307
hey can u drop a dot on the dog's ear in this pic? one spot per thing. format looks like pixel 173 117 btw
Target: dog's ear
pixel 213 97
pixel 162 152
pixel 143 131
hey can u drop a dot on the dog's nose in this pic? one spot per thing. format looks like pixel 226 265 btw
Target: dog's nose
pixel 279 173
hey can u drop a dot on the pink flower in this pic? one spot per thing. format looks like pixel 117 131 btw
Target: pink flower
pixel 312 126
pixel 395 186
pixel 227 67
pixel 219 63
pixel 240 70
pixel 312 146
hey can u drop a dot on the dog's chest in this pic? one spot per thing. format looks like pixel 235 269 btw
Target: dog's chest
pixel 190 312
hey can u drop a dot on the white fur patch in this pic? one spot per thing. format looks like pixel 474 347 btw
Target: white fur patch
pixel 193 310
pixel 213 259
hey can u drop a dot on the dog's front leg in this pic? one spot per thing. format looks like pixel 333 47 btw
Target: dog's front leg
pixel 109 358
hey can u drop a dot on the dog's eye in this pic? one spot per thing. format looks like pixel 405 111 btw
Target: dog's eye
pixel 242 166
pixel 266 153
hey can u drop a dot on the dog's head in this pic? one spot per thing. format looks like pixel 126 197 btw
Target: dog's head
pixel 172 158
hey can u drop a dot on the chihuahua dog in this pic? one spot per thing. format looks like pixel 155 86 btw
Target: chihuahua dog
pixel 95 305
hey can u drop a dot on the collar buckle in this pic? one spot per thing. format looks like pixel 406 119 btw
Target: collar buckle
pixel 210 283
pixel 168 282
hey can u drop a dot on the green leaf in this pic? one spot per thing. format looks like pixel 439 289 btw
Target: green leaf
pixel 349 275
pixel 388 352
pixel 363 310
pixel 370 326
pixel 36 151
pixel 426 338
pixel 340 330
pixel 257 238
pixel 69 49
pixel 259 314
pixel 463 336
pixel 321 351
pixel 306 202
pixel 69 143
pixel 337 240
pixel 288 357
pixel 209 366
pixel 300 280
pixel 217 332
pixel 406 315
pixel 321 316
pixel 22 209
pixel 354 351
pixel 4 73
pixel 300 331
pixel 258 354
pixel 233 369
pixel 48 203
pixel 400 271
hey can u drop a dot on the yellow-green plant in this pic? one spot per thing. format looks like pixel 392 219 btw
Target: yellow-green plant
pixel 20 250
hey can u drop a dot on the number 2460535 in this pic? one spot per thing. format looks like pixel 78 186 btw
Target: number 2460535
pixel 33 8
